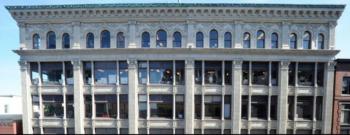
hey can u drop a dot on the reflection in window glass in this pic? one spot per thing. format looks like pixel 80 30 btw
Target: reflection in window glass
pixel 259 107
pixel 214 39
pixel 51 73
pixel 293 41
pixel 199 40
pixel 346 85
pixel 246 40
pixel 90 39
pixel 274 40
pixel 36 41
pixel 319 107
pixel 177 40
pixel 273 108
pixel 123 73
pixel 105 72
pixel 53 106
pixel 198 72
pixel 228 72
pixel 198 106
pixel 105 39
pixel 69 106
pixel 142 69
pixel 213 72
pixel 161 72
pixel 53 130
pixel 260 39
pixel 65 40
pixel 51 40
pixel 36 106
pixel 179 106
pixel 161 106
pixel 320 41
pixel 260 73
pixel 304 107
pixel 320 74
pixel 291 74
pixel 345 114
pixel 87 67
pixel 106 106
pixel 143 106
pixel 306 73
pixel 212 107
pixel 34 73
pixel 290 107
pixel 227 107
pixel 244 111
pixel 88 106
pixel 145 40
pixel 307 40
pixel 161 39
pixel 274 73
pixel 120 40
pixel 180 72
pixel 69 73
pixel 123 103
pixel 245 73
pixel 228 40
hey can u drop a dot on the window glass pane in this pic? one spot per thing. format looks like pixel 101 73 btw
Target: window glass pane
pixel 180 72
pixel 290 107
pixel 306 73
pixel 145 40
pixel 105 131
pixel 319 107
pixel 291 74
pixel 53 130
pixel 51 73
pixel 273 108
pixel 180 131
pixel 214 39
pixel 212 107
pixel 35 106
pixel 274 40
pixel 198 106
pixel 105 39
pixel 199 40
pixel 345 114
pixel 320 74
pixel 307 40
pixel 53 106
pixel 105 72
pixel 227 107
pixel 258 131
pixel 161 72
pixel 69 73
pixel 304 107
pixel 34 73
pixel 36 41
pixel 245 73
pixel 274 73
pixel 213 72
pixel 228 40
pixel 346 85
pixel 161 38
pixel 260 73
pixel 123 103
pixel 142 106
pixel 212 131
pixel 123 72
pixel 320 42
pixel 246 40
pixel 161 106
pixel 90 40
pixel 120 40
pixel 160 131
pixel 88 106
pixel 259 107
pixel 304 131
pixel 198 72
pixel 65 40
pixel 87 130
pixel 70 106
pixel 87 72
pixel 293 41
pixel 177 40
pixel 124 131
pixel 228 72
pixel 179 111
pixel 244 113
pixel 142 69
pixel 106 106
pixel 51 40
pixel 260 39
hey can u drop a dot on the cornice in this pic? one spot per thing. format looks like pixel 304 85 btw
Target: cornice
pixel 173 10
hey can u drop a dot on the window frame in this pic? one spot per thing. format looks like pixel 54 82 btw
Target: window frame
pixel 199 40
pixel 177 40
pixel 213 39
pixel 105 39
pixel 36 41
pixel 145 40
pixel 161 39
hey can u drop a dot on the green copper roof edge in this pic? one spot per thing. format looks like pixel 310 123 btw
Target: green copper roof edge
pixel 141 5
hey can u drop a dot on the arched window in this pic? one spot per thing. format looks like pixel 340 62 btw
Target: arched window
pixel 145 40
pixel 199 40
pixel 260 39
pixel 65 40
pixel 246 40
pixel 293 41
pixel 274 40
pixel 161 38
pixel 90 40
pixel 120 40
pixel 105 39
pixel 228 40
pixel 320 41
pixel 213 35
pixel 51 40
pixel 307 40
pixel 177 40
pixel 36 41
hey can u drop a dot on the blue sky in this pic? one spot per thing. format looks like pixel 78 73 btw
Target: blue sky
pixel 10 82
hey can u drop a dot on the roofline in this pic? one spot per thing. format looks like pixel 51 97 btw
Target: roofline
pixel 343 60
pixel 180 5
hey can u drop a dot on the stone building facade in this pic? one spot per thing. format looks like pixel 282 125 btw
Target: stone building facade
pixel 177 68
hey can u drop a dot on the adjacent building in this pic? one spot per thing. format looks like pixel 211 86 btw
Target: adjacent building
pixel 177 68
pixel 10 114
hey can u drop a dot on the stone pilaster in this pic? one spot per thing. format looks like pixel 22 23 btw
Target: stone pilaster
pixel 282 108
pixel 189 97
pixel 285 35
pixel 238 36
pixel 26 97
pixel 78 97
pixel 132 35
pixel 22 35
pixel 331 41
pixel 236 96
pixel 76 36
pixel 133 96
pixel 328 98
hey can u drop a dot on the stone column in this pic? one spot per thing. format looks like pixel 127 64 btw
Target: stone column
pixel 22 35
pixel 78 97
pixel 133 96
pixel 26 98
pixel 189 97
pixel 76 35
pixel 285 35
pixel 328 98
pixel 238 36
pixel 236 96
pixel 132 34
pixel 331 41
pixel 282 108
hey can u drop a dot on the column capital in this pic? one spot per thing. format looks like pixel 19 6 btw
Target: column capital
pixel 284 64
pixel 333 24
pixel 237 63
pixel 23 65
pixel 189 63
pixel 331 65
pixel 132 62
pixel 76 64
pixel 21 24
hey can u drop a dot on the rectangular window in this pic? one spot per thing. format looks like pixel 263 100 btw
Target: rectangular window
pixel 68 66
pixel 227 131
pixel 179 111
pixel 124 131
pixel 143 106
pixel 198 106
pixel 53 130
pixel 161 72
pixel 51 73
pixel 106 106
pixel 105 72
pixel 274 73
pixel 244 110
pixel 87 130
pixel 304 107
pixel 227 107
pixel 303 131
pixel 160 131
pixel 320 74
pixel 36 106
pixel 259 107
pixel 142 130
pixel 213 72
pixel 179 131
pixel 197 131
pixel 105 131
pixel 142 72
pixel 258 131
pixel 180 72
pixel 70 106
pixel 212 131
pixel 290 107
pixel 346 85
pixel 228 72
pixel 306 73
pixel 345 114
pixel 245 73
pixel 88 106
pixel 70 131
pixel 260 73
pixel 319 107
pixel 123 73
pixel 212 105
pixel 123 103
pixel 291 74
pixel 273 108
pixel 87 67
pixel 345 130
pixel 53 106
pixel 161 106
pixel 198 72
pixel 34 73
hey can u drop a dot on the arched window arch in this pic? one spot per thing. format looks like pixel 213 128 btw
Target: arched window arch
pixel 228 40
pixel 307 40
pixel 65 40
pixel 51 40
pixel 260 39
pixel 274 40
pixel 105 39
pixel 199 40
pixel 161 38
pixel 320 41
pixel 293 42
pixel 145 40
pixel 177 40
pixel 246 40
pixel 90 40
pixel 120 40
pixel 213 35
pixel 36 41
